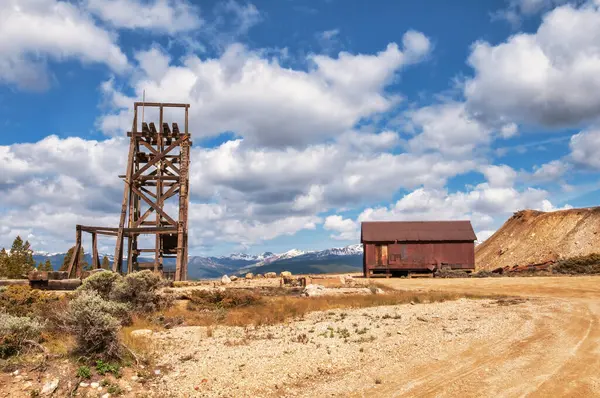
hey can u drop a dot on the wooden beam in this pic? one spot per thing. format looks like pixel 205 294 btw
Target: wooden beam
pixel 156 178
pixel 158 157
pixel 159 190
pixel 148 192
pixel 161 104
pixel 95 259
pixel 74 263
pixel 118 259
pixel 154 205
pixel 136 230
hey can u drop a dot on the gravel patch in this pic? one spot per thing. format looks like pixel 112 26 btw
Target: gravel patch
pixel 336 352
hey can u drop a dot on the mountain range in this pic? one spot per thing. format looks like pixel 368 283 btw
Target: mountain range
pixel 340 259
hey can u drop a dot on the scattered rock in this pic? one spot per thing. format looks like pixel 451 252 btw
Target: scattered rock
pixel 420 318
pixel 285 273
pixel 225 280
pixel 141 333
pixel 259 276
pixel 95 385
pixel 271 275
pixel 84 385
pixel 233 278
pixel 157 372
pixel 249 275
pixel 379 291
pixel 134 378
pixel 15 373
pixel 49 387
pixel 107 395
pixel 313 290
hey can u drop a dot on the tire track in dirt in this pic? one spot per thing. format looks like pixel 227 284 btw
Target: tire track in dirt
pixel 559 357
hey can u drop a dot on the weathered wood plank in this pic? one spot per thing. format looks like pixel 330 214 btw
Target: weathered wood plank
pixel 158 157
pixel 154 205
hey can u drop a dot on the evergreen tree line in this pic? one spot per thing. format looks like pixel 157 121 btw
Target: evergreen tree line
pixel 19 262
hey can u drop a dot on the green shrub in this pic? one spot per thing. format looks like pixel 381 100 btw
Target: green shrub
pixel 101 282
pixel 578 265
pixel 95 324
pixel 140 291
pixel 15 331
pixel 84 372
pixel 24 301
pixel 104 367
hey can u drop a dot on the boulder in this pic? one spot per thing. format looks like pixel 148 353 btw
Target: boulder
pixel 313 290
pixel 141 333
pixel 49 387
pixel 225 280
pixel 271 275
pixel 259 276
pixel 233 278
pixel 249 275
pixel 285 274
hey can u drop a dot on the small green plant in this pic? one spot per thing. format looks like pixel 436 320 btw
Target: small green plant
pixel 343 333
pixel 105 367
pixel 114 389
pixel 84 372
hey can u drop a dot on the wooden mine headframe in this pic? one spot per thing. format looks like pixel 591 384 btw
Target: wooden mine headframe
pixel 157 170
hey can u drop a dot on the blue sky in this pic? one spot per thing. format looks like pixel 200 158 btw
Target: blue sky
pixel 308 117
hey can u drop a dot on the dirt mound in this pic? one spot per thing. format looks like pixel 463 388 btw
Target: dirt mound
pixel 533 237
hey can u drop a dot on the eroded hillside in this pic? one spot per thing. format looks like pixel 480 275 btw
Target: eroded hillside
pixel 531 237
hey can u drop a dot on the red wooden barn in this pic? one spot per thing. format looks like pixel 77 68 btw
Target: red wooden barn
pixel 397 248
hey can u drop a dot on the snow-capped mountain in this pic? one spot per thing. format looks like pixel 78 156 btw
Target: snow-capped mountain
pixel 341 251
pixel 339 259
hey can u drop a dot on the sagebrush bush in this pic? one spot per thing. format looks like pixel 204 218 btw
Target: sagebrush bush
pixel 578 265
pixel 140 291
pixel 95 324
pixel 24 301
pixel 15 331
pixel 101 282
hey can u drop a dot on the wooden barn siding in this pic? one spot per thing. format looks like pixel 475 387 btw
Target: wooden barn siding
pixel 424 254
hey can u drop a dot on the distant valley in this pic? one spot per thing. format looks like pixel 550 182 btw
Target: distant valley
pixel 343 259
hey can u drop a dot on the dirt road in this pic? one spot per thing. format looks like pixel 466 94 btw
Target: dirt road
pixel 546 344
pixel 559 356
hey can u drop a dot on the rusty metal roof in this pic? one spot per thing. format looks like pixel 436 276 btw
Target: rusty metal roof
pixel 415 231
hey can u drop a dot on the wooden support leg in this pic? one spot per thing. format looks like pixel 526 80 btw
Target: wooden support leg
pixel 95 259
pixel 130 254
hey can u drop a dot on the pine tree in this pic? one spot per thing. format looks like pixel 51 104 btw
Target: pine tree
pixel 105 263
pixel 47 266
pixel 20 261
pixel 3 263
pixel 82 262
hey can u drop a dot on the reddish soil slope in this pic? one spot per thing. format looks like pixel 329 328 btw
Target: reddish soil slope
pixel 531 237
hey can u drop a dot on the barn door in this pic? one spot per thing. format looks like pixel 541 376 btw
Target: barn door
pixel 381 255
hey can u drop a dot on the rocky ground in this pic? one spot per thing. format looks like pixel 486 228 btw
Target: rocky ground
pixel 543 339
pixel 334 353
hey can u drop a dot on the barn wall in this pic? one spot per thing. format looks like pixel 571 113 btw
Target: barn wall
pixel 424 255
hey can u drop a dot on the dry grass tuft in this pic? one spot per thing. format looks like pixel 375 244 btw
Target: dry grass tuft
pixel 274 310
